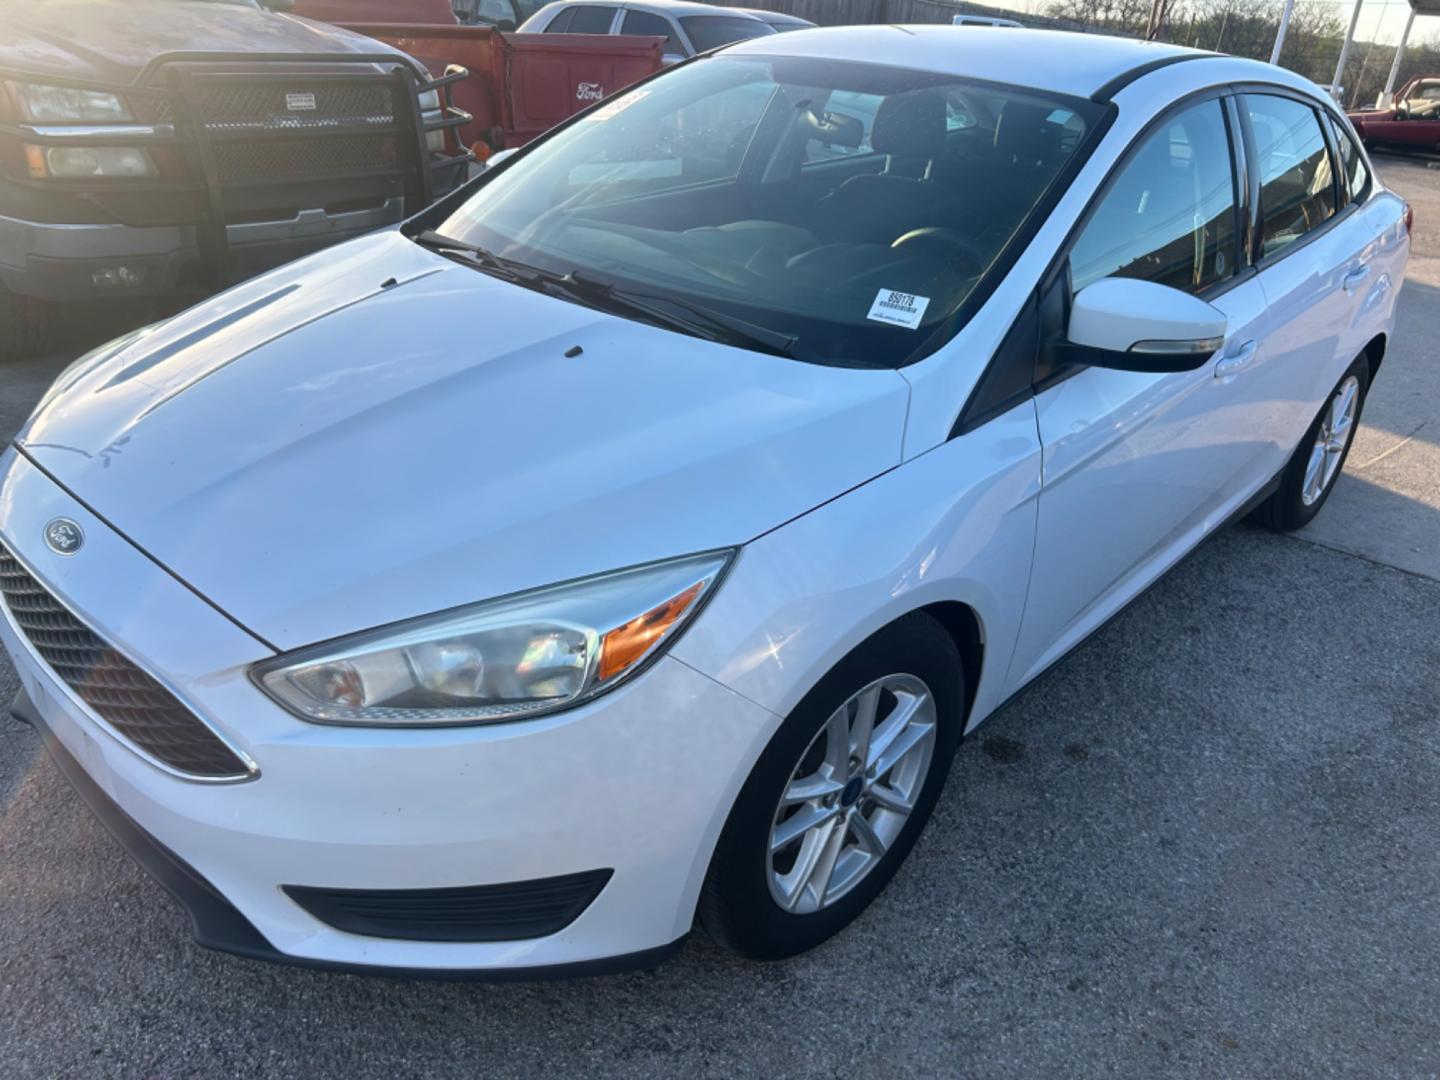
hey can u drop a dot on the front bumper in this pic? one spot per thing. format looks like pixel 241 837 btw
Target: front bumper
pixel 638 782
pixel 216 923
pixel 61 262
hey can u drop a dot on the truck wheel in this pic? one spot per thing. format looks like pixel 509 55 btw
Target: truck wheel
pixel 24 326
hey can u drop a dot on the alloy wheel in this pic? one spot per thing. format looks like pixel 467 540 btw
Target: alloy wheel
pixel 1337 428
pixel 851 793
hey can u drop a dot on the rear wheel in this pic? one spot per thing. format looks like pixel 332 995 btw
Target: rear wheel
pixel 1316 464
pixel 24 326
pixel 840 795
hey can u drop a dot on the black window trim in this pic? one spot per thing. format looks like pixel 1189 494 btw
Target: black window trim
pixel 980 407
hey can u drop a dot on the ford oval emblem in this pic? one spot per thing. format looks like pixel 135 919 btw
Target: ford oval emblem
pixel 64 537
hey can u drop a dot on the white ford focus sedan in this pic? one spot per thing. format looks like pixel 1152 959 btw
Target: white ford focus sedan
pixel 631 538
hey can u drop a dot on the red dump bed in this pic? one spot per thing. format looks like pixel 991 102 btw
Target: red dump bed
pixel 520 84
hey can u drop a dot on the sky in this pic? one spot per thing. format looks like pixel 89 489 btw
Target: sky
pixel 1380 20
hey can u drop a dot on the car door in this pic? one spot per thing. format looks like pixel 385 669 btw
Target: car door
pixel 1138 467
pixel 1314 258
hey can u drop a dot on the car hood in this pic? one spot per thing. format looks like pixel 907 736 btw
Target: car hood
pixel 376 433
pixel 111 41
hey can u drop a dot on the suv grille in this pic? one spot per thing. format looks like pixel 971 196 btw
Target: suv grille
pixel 126 698
pixel 303 157
pixel 292 103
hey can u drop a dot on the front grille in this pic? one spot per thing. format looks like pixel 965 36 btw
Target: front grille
pixel 126 698
pixel 303 157
pixel 513 911
pixel 291 103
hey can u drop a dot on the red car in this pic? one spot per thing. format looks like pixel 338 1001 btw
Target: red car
pixel 1413 124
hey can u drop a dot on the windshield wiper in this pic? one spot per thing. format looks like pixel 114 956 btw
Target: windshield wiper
pixel 671 312
pixel 477 256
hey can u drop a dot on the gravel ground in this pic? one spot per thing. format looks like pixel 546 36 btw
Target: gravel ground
pixel 1204 845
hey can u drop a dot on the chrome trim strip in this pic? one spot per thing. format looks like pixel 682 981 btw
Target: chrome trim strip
pixel 99 131
pixel 252 769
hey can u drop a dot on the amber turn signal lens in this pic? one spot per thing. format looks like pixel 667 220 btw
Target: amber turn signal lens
pixel 35 161
pixel 628 644
pixel 481 150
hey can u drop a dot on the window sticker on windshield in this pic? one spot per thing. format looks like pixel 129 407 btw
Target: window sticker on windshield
pixel 619 105
pixel 898 308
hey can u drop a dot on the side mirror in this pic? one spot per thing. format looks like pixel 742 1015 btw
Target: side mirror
pixel 1131 325
pixel 506 26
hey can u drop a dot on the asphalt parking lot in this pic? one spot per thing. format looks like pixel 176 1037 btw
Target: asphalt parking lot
pixel 1205 844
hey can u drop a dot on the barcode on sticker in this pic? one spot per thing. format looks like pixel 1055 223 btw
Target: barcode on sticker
pixel 898 308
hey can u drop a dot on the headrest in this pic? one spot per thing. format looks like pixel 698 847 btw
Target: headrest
pixel 1025 133
pixel 910 125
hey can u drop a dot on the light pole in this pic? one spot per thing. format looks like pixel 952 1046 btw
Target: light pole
pixel 1336 90
pixel 1386 100
pixel 1280 34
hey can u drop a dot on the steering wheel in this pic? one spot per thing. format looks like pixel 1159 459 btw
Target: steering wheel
pixel 947 246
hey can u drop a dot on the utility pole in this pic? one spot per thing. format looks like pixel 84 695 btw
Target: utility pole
pixel 1387 96
pixel 1345 52
pixel 1284 28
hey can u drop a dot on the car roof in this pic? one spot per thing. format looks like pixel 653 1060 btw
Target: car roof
pixel 773 16
pixel 1055 60
pixel 672 7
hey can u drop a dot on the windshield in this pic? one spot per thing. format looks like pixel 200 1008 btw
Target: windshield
pixel 851 208
pixel 711 31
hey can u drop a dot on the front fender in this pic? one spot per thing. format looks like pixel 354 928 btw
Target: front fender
pixel 956 524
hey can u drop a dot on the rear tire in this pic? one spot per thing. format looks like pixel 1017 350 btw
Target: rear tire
pixel 1310 476
pixel 764 897
pixel 24 326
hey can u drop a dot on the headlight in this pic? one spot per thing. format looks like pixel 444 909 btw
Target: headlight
pixel 506 659
pixel 50 104
pixel 67 162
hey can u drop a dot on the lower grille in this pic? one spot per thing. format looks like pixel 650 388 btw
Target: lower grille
pixel 130 701
pixel 513 911
pixel 295 158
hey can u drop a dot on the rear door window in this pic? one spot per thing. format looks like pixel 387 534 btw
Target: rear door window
pixel 1352 164
pixel 1297 183
pixel 592 20
pixel 711 31
pixel 648 24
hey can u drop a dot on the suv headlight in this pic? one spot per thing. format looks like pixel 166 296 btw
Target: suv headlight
pixel 506 659
pixel 58 104
pixel 70 162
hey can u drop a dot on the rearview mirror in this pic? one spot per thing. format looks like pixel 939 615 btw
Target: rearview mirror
pixel 834 129
pixel 1132 325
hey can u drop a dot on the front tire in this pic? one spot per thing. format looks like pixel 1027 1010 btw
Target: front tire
pixel 1307 481
pixel 840 795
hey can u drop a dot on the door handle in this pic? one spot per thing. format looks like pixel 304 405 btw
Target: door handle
pixel 1237 361
pixel 1355 278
